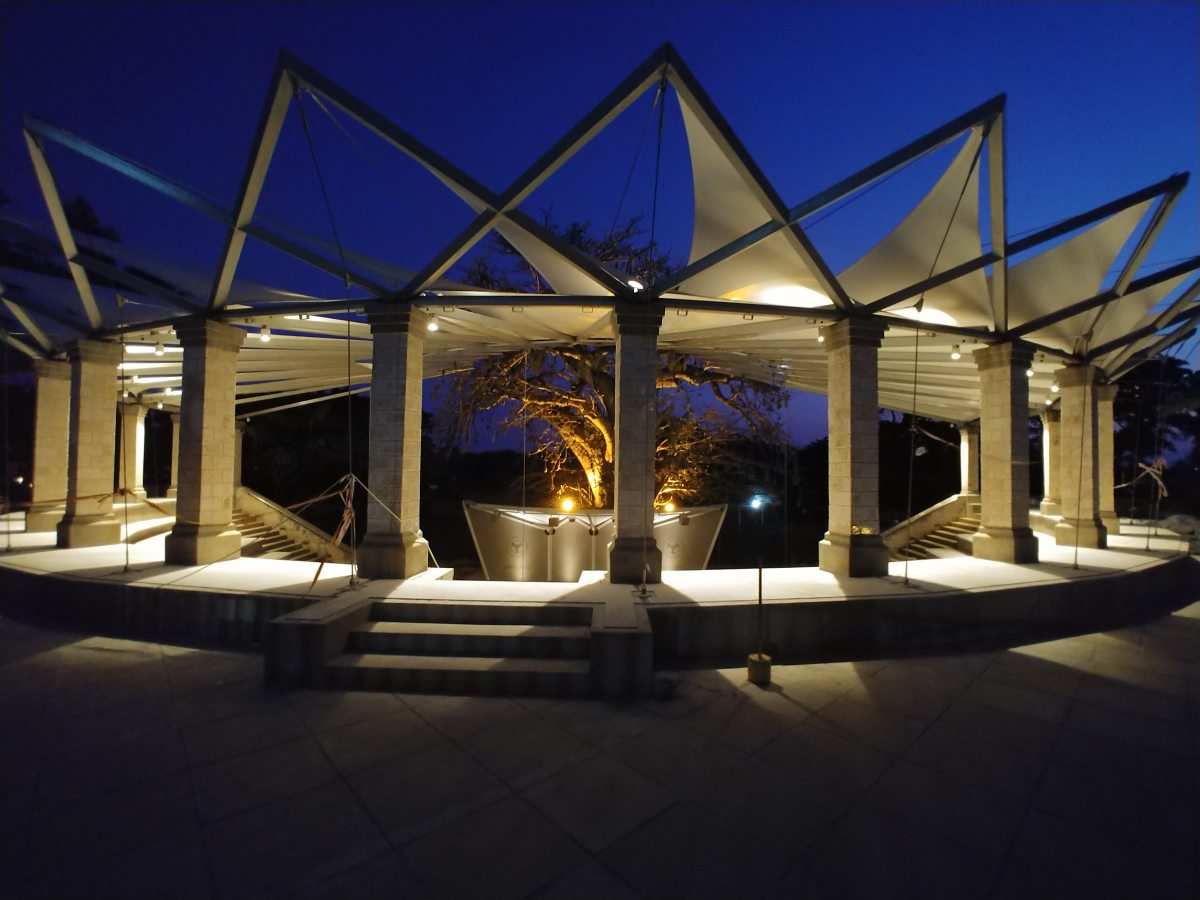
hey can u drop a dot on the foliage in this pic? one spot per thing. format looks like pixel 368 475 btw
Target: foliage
pixel 1152 422
pixel 566 395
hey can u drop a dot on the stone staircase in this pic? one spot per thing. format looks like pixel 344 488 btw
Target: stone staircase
pixel 266 542
pixel 468 648
pixel 941 542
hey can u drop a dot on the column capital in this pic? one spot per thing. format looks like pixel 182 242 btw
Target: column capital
pixel 201 332
pixel 1051 414
pixel 132 407
pixel 1076 375
pixel 1006 355
pixel 399 320
pixel 638 318
pixel 971 427
pixel 1107 392
pixel 52 368
pixel 853 333
pixel 88 351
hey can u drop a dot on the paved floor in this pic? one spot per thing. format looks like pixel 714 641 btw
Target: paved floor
pixel 1062 769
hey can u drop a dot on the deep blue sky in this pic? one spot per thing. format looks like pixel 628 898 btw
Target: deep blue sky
pixel 1103 98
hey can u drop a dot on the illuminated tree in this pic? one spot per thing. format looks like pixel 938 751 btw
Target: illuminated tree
pixel 566 395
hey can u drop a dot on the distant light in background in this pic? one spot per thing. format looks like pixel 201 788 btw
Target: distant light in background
pixel 264 334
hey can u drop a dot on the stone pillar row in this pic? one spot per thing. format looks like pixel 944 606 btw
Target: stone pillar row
pixel 74 402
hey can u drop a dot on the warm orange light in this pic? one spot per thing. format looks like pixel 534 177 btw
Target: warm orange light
pixel 567 504
pixel 668 506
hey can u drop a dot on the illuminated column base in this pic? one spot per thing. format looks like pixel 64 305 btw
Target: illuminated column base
pixel 634 561
pixel 199 545
pixel 1016 545
pixel 854 555
pixel 393 555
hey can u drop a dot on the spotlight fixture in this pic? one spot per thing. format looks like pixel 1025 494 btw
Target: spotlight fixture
pixel 1029 372
pixel 636 285
pixel 264 334
pixel 567 504
pixel 432 326
pixel 820 337
pixel 159 350
pixel 160 404
pixel 1054 388
pixel 669 507
pixel 1049 402
pixel 955 353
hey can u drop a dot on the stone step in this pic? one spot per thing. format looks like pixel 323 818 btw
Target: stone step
pixel 935 539
pixel 460 675
pixel 473 639
pixel 482 613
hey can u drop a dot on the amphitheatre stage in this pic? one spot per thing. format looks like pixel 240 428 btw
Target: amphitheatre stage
pixel 703 617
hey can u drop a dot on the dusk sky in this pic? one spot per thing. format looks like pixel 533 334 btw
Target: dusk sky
pixel 1103 99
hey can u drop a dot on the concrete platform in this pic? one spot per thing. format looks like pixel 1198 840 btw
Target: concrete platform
pixel 698 617
pixel 1065 769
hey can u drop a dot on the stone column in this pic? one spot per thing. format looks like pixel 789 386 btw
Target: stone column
pixel 51 430
pixel 1051 458
pixel 89 519
pixel 1004 533
pixel 393 546
pixel 131 451
pixel 852 545
pixel 204 531
pixel 634 556
pixel 239 439
pixel 968 457
pixel 1080 460
pixel 1106 394
pixel 173 487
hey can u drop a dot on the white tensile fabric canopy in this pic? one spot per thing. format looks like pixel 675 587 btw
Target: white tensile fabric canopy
pixel 750 300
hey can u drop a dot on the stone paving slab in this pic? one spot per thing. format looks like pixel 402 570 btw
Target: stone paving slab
pixel 1061 769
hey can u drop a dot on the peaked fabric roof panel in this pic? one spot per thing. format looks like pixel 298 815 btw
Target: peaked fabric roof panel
pixel 563 275
pixel 907 255
pixel 1072 271
pixel 728 204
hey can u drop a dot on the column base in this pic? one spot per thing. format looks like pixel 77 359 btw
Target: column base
pixel 1050 508
pixel 89 531
pixel 1112 524
pixel 634 561
pixel 393 555
pixel 1014 545
pixel 199 545
pixel 854 555
pixel 1082 532
pixel 172 492
pixel 44 517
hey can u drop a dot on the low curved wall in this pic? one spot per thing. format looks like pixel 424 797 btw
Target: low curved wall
pixel 945 621
pixel 143 611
